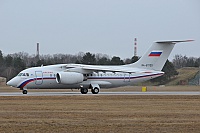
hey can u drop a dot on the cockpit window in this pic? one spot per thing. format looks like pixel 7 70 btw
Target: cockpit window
pixel 23 74
pixel 20 74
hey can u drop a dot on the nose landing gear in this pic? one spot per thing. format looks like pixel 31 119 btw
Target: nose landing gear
pixel 24 91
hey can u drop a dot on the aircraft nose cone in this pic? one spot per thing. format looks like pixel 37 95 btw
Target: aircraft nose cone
pixel 11 83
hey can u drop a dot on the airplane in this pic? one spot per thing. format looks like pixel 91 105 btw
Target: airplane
pixel 95 77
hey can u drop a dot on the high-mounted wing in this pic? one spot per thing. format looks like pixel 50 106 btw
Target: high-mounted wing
pixel 99 68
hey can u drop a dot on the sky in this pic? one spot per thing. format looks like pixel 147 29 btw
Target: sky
pixel 98 26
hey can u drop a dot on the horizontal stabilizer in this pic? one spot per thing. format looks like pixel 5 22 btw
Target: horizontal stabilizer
pixel 177 41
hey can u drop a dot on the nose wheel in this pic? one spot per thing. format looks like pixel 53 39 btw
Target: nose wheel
pixel 24 91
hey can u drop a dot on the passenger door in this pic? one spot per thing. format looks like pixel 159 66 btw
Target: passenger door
pixel 126 77
pixel 38 77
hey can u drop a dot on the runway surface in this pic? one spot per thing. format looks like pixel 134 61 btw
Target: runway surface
pixel 101 93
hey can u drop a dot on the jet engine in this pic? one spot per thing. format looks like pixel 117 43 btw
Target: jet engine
pixel 69 78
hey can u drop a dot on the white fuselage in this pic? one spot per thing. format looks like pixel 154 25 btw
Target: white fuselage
pixel 45 78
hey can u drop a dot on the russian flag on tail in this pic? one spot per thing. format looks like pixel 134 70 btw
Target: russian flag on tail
pixel 155 53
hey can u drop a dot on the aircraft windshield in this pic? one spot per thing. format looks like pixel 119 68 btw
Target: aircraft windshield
pixel 23 74
pixel 20 74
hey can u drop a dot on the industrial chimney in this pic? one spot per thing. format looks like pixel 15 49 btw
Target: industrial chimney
pixel 38 49
pixel 135 47
pixel 37 52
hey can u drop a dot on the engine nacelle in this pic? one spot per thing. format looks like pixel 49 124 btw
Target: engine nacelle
pixel 69 78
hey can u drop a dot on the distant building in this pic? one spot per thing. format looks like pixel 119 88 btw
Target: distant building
pixel 2 81
pixel 183 82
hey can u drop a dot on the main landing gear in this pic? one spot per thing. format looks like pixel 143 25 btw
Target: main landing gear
pixel 84 90
pixel 94 89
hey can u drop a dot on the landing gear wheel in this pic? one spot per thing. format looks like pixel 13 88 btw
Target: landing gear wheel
pixel 84 90
pixel 95 90
pixel 24 91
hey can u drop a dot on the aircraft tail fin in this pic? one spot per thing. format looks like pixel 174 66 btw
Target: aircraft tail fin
pixel 156 55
